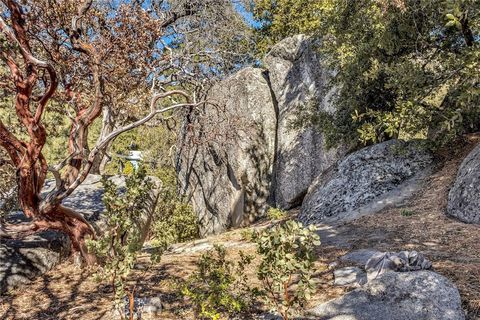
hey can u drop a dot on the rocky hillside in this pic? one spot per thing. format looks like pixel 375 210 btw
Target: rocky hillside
pixel 450 290
pixel 398 221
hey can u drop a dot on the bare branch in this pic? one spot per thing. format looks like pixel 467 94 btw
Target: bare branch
pixel 59 195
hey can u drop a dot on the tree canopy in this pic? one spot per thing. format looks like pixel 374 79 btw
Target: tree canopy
pixel 403 67
pixel 66 65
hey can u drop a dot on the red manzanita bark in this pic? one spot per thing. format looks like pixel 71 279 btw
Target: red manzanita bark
pixel 30 75
pixel 27 155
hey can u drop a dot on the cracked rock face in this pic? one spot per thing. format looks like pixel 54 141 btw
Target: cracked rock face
pixel 244 153
pixel 422 295
pixel 227 173
pixel 464 199
pixel 298 78
pixel 366 181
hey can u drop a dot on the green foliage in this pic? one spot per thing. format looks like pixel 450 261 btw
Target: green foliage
pixel 175 221
pixel 405 68
pixel 155 143
pixel 128 169
pixel 282 18
pixel 247 235
pixel 8 186
pixel 407 213
pixel 118 247
pixel 288 255
pixel 219 286
pixel 276 214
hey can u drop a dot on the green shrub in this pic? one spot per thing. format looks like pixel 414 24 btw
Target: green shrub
pixel 276 214
pixel 118 247
pixel 287 252
pixel 175 221
pixel 247 235
pixel 219 287
pixel 128 169
pixel 177 224
pixel 407 213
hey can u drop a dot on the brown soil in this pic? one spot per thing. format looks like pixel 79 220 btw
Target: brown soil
pixel 420 224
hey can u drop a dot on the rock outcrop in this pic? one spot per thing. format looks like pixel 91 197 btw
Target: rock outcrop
pixel 366 181
pixel 397 296
pixel 464 197
pixel 225 165
pixel 298 78
pixel 23 260
pixel 242 152
pixel 349 277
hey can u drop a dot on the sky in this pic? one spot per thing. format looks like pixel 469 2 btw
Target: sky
pixel 247 15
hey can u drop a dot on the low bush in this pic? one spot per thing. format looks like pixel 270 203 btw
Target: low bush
pixel 175 221
pixel 287 252
pixel 219 287
pixel 118 247
pixel 276 214
pixel 407 213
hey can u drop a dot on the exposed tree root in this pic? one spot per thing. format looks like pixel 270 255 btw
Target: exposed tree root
pixel 61 219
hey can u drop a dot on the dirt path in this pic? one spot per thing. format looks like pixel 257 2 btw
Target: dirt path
pixel 419 224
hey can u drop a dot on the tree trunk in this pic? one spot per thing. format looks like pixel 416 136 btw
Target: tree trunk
pixel 77 228
pixel 108 126
pixel 47 215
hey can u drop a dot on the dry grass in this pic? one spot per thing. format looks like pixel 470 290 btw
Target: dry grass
pixel 454 248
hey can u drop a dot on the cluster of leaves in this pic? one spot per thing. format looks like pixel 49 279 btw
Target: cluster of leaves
pixel 174 220
pixel 219 286
pixel 155 142
pixel 404 67
pixel 124 235
pixel 276 214
pixel 288 254
pixel 179 224
pixel 282 18
pixel 407 213
pixel 8 186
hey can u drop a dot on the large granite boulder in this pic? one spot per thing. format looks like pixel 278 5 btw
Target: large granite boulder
pixel 240 151
pixel 464 197
pixel 225 158
pixel 298 78
pixel 23 260
pixel 417 295
pixel 366 181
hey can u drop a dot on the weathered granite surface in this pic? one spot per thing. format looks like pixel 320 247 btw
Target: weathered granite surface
pixel 366 181
pixel 464 197
pixel 299 79
pixel 416 295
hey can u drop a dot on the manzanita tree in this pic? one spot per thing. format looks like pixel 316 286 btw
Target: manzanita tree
pixel 88 59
